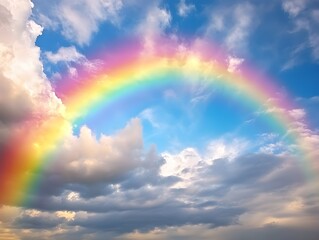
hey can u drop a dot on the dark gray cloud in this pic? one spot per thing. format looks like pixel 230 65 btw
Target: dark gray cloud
pixel 273 232
pixel 245 169
pixel 143 200
pixel 15 108
pixel 257 173
pixel 15 103
pixel 27 221
pixel 146 220
pixel 140 199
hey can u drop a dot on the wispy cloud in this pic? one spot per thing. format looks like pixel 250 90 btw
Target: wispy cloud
pixel 72 59
pixel 184 9
pixel 149 115
pixel 294 7
pixel 65 54
pixel 234 24
pixel 153 26
pixel 305 18
pixel 79 20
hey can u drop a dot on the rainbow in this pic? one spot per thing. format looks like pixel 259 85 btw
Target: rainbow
pixel 126 70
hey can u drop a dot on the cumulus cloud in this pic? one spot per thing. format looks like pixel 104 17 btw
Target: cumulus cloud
pixel 99 159
pixel 11 96
pixel 182 165
pixel 18 51
pixel 25 92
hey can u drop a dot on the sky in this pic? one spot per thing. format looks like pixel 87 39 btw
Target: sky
pixel 137 119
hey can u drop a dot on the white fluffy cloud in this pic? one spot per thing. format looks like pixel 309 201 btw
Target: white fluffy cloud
pixel 99 159
pixel 25 91
pixel 182 165
pixel 188 163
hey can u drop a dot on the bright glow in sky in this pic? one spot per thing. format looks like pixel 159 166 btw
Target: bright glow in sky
pixel 126 119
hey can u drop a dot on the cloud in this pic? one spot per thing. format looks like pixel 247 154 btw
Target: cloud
pixel 293 57
pixel 31 219
pixel 238 34
pixel 182 165
pixel 304 16
pixel 244 169
pixel 25 92
pixel 99 159
pixel 187 164
pixel 65 54
pixel 233 26
pixel 294 7
pixel 72 60
pixel 69 16
pixel 298 113
pixel 119 185
pixel 149 115
pixel 203 232
pixel 184 9
pixel 225 148
pixel 244 193
pixel 156 21
pixel 15 103
pixel 234 63
pixel 305 139
pixel 144 220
